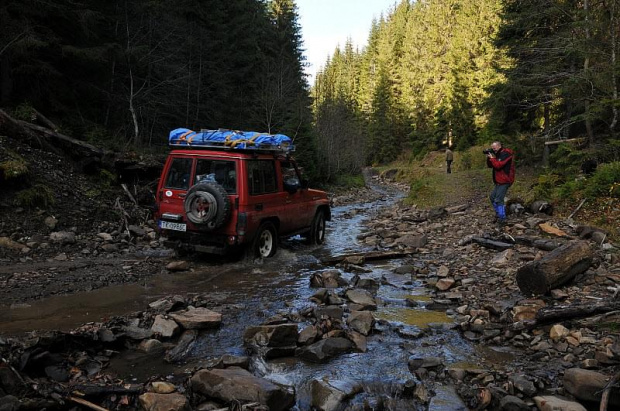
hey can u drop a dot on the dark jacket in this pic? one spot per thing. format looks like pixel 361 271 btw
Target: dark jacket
pixel 503 166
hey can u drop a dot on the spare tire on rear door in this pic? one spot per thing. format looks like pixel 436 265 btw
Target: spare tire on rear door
pixel 208 205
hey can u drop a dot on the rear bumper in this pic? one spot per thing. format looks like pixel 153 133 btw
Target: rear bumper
pixel 209 249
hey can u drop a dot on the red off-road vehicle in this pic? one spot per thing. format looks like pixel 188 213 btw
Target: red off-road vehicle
pixel 223 189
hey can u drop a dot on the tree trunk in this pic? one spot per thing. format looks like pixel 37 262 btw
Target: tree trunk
pixel 555 269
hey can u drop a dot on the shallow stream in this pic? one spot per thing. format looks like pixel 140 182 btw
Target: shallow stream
pixel 279 286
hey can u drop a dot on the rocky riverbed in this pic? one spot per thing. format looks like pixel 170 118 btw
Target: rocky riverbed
pixel 523 363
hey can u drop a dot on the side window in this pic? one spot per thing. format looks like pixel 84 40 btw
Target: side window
pixel 179 174
pixel 289 174
pixel 221 171
pixel 262 177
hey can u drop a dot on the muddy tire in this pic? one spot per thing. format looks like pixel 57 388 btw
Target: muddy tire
pixel 208 205
pixel 265 243
pixel 316 235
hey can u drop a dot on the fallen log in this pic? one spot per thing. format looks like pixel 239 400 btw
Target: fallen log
pixel 13 128
pixel 548 315
pixel 493 244
pixel 556 268
pixel 373 255
pixel 94 390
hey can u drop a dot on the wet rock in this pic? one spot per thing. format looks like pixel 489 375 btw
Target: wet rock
pixel 136 230
pixel 10 403
pixel 365 283
pixel 588 385
pixel 240 361
pixel 415 363
pixel 162 387
pixel 308 335
pixel 444 284
pixel 404 269
pixel 551 403
pixel 198 318
pixel 503 259
pixel 523 385
pixel 443 271
pixel 63 237
pixel 50 222
pixel 183 346
pixel 57 373
pixel 151 346
pixel 322 351
pixel 177 266
pixel 164 402
pixel 137 333
pixel 10 380
pixel 164 327
pixel 327 279
pixel 512 403
pixel 329 311
pixel 330 395
pixel 358 340
pixel 413 241
pixel 558 332
pixel 361 321
pixel 281 335
pixel 106 237
pixel 167 304
pixel 362 298
pixel 355 259
pixel 237 384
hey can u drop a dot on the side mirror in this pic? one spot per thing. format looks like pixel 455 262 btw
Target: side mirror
pixel 305 183
pixel 292 185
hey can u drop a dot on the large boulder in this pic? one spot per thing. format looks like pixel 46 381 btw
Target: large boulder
pixel 551 403
pixel 237 384
pixel 587 385
pixel 165 327
pixel 280 335
pixel 322 351
pixel 198 318
pixel 362 298
pixel 330 395
pixel 361 321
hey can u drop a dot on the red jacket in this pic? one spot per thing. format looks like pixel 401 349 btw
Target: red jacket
pixel 503 166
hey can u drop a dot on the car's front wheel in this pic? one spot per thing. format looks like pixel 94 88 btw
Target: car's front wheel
pixel 317 229
pixel 265 243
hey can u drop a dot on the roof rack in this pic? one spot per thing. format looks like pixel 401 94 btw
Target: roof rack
pixel 231 140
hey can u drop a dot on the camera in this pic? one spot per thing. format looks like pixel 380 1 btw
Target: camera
pixel 488 151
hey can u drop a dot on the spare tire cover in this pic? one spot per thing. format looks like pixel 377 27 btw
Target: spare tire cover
pixel 207 204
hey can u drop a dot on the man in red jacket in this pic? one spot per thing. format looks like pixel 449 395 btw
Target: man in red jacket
pixel 502 161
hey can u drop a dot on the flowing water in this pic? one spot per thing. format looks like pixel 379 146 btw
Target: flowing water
pixel 254 292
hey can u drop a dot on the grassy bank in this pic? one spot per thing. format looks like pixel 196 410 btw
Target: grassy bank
pixel 470 181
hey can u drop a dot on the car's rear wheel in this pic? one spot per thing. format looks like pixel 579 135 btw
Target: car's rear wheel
pixel 317 229
pixel 265 243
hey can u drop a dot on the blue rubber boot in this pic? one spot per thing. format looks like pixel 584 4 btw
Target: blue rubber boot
pixel 501 213
pixel 496 208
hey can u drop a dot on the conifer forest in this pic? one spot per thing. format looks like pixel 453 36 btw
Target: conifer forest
pixel 433 72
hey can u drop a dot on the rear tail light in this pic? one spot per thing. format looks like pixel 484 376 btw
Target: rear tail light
pixel 242 223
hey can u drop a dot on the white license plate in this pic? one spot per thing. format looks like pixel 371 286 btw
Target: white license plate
pixel 167 225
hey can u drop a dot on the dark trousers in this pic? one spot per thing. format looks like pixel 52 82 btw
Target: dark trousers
pixel 449 163
pixel 498 194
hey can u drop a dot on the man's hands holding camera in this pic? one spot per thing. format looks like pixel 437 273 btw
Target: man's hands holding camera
pixel 489 152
